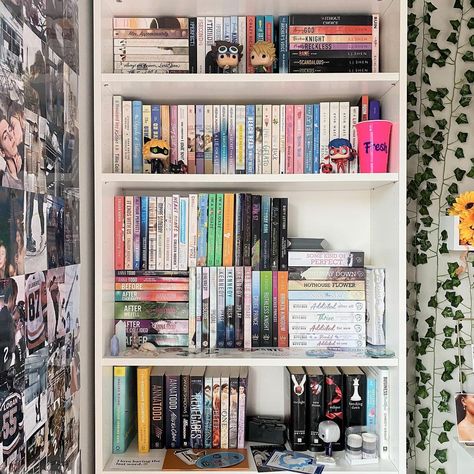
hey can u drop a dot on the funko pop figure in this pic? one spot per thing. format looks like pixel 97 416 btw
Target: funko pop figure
pixel 262 56
pixel 340 153
pixel 224 57
pixel 157 153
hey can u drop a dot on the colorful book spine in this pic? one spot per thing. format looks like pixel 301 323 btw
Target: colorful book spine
pixel 265 236
pixel 172 409
pixel 325 259
pixel 216 409
pixel 168 231
pixel 193 233
pixel 136 232
pixel 298 390
pixel 175 233
pixel 240 139
pixel 143 409
pixel 289 138
pixel 275 309
pixel 211 230
pixel 283 44
pixel 228 233
pixel 242 39
pixel 221 307
pixel 233 406
pixel 208 418
pixel 247 230
pixel 124 412
pixel 152 295
pixel 198 307
pixel 275 139
pixel 224 431
pixel 128 231
pixel 160 233
pixel 243 385
pixel 260 28
pixel 316 142
pixel 117 104
pixel 229 308
pixel 183 233
pixel 354 119
pixel 212 307
pixel 146 132
pixel 137 137
pixel 247 308
pixel 375 42
pixel 250 142
pixel 205 308
pixel 371 413
pixel 282 337
pixel 231 140
pixel 308 145
pixel 239 307
pixel 266 305
pixel 256 232
pixel 224 114
pixel 282 139
pixel 250 41
pixel 315 407
pixel 192 308
pixel 165 123
pixel 283 229
pixel 199 139
pixel 269 33
pixel 267 139
pixel 219 229
pixel 151 310
pixel 174 144
pixel 119 232
pixel 324 133
pixel 208 139
pixel 191 137
pixel 258 139
pixel 202 230
pixel 299 139
pixel 152 233
pixel 255 308
pixel 216 139
pixel 155 122
pixel 239 205
pixel 192 45
pixel 275 234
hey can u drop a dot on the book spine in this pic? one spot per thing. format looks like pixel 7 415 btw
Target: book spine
pixel 283 45
pixel 216 139
pixel 344 120
pixel 375 42
pixel 172 411
pixel 233 411
pixel 299 139
pixel 282 309
pixel 275 139
pixel 234 29
pixel 327 285
pixel 137 137
pixel 354 119
pixel 227 29
pixel 216 412
pixel 128 230
pixel 136 232
pixel 240 139
pixel 212 307
pixel 266 320
pixel 143 409
pixel 267 139
pixel 239 206
pixel 127 120
pixel 308 145
pixel 208 139
pixel 228 233
pixel 117 104
pixel 201 44
pixel 225 412
pixel 229 308
pixel 247 230
pixel 199 139
pixel 315 411
pixel 375 297
pixel 260 28
pixel 250 41
pixel 183 134
pixel 242 39
pixel 192 309
pixel 160 295
pixel 221 307
pixel 211 231
pixel 209 36
pixel 208 399
pixel 219 229
pixel 168 232
pixel 325 259
pixel 193 45
pixel 152 233
pixel 331 295
pixel 205 326
pixel 255 308
pixel 265 250
pixel 259 139
pixel 250 142
pixel 371 414
pixel 199 308
pixel 146 133
pixel 315 318
pixel 327 306
pixel 289 138
pixel 274 234
pixel 224 114
pixel 333 398
pixel 183 233
pixel 275 309
pixel 151 310
pixel 119 414
pixel 383 384
pixel 256 232
pixel 321 273
pixel 175 233
pixel 218 28
pixel 316 139
pixel 231 142
pixel 364 108
pixel 243 386
pixel 202 230
pixel 239 306
pixel 147 286
pixel 191 139
pixel 331 30
pixel 165 123
pixel 185 393
pixel 119 232
pixel 324 133
pixel 174 143
pixel 282 139
pixel 283 260
pixel 197 412
pixel 269 35
pixel 193 233
pixel 298 389
pixel 319 328
pixel 355 403
pixel 325 20
pixel 247 308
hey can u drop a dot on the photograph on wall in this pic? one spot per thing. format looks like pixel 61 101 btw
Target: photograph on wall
pixel 36 311
pixel 55 231
pixel 35 228
pixel 14 6
pixel 54 157
pixel 56 310
pixel 54 25
pixel 71 227
pixel 55 90
pixel 70 27
pixel 70 177
pixel 36 450
pixel 465 417
pixel 11 41
pixel 34 15
pixel 35 152
pixel 56 393
pixel 70 297
pixel 71 427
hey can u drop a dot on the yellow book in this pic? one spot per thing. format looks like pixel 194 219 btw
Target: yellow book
pixel 228 231
pixel 143 409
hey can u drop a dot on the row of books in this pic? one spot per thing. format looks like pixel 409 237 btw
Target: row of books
pixel 179 407
pixel 304 43
pixel 349 396
pixel 234 139
pixel 176 232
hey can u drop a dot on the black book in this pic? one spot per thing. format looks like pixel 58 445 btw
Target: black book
pixel 238 244
pixel 185 407
pixel 256 231
pixel 172 408
pixel 298 387
pixel 205 308
pixel 239 306
pixel 157 389
pixel 192 45
pixel 275 314
pixel 333 401
pixel 247 231
pixel 308 20
pixel 275 234
pixel 330 62
pixel 302 244
pixel 315 410
pixel 331 53
pixel 355 400
pixel 302 69
pixel 197 407
pixel 283 246
pixel 265 237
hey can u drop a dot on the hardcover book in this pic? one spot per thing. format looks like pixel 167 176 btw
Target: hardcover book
pixel 315 406
pixel 333 400
pixel 221 310
pixel 157 384
pixel 355 401
pixel 298 388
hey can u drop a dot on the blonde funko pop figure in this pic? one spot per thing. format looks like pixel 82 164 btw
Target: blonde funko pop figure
pixel 262 56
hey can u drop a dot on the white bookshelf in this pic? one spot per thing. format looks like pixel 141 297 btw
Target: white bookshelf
pixel 357 211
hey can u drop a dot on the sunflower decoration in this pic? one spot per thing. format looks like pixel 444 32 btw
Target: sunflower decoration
pixel 464 208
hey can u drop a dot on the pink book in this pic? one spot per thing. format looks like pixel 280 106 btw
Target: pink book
pixel 119 232
pixel 289 136
pixel 298 165
pixel 275 307
pixel 174 133
pixel 250 40
pixel 191 139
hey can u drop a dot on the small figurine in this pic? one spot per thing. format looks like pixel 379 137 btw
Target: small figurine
pixel 262 56
pixel 340 153
pixel 157 153
pixel 224 57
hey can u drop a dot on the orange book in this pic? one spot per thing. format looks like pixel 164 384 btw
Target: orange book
pixel 282 309
pixel 143 409
pixel 228 241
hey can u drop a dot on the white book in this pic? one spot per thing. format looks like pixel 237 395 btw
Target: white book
pixel 322 317
pixel 231 139
pixel 323 344
pixel 146 132
pixel 375 42
pixel 183 133
pixel 218 28
pixel 221 299
pixel 209 33
pixel 160 233
pixel 242 32
pixel 324 130
pixel 333 120
pixel 282 139
pixel 275 139
pixel 201 44
pixel 224 116
pixel 128 227
pixel 175 233
pixel 183 233
pixel 354 118
pixel 117 133
pixel 375 298
pixel 192 309
pixel 216 132
pixel 168 231
pixel 344 120
pixel 193 216
pixel 317 306
pixel 208 148
pixel 227 29
pixel 240 125
pixel 224 408
pixel 127 136
pixel 258 138
pixel 212 307
pixel 198 307
pixel 247 307
pixel 152 233
pixel 327 327
pixel 267 140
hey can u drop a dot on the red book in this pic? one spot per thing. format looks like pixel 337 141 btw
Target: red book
pixel 250 41
pixel 289 124
pixel 159 296
pixel 282 309
pixel 299 138
pixel 364 108
pixel 151 279
pixel 119 232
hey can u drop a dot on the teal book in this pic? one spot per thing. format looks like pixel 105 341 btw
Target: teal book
pixel 266 304
pixel 211 231
pixel 219 229
pixel 124 408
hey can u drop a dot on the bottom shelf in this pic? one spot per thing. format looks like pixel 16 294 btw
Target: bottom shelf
pixel 152 462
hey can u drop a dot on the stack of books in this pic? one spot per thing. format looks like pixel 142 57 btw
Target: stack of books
pixel 327 300
pixel 349 396
pixel 236 307
pixel 334 43
pixel 151 45
pixel 179 407
pixel 236 139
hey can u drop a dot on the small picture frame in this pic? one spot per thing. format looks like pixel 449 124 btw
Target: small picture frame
pixel 465 417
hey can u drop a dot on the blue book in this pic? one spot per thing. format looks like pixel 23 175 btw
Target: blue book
pixel 220 339
pixel 155 121
pixel 229 307
pixel 316 142
pixel 250 139
pixel 374 110
pixel 255 308
pixel 234 29
pixel 371 418
pixel 202 230
pixel 259 28
pixel 200 139
pixel 224 140
pixel 137 137
pixel 144 233
pixel 308 140
pixel 227 30
pixel 283 54
pixel 269 34
pixel 136 232
pixel 216 139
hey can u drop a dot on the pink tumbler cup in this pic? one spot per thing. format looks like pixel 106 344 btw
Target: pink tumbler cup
pixel 373 138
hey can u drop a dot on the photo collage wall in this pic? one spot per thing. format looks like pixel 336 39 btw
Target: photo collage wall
pixel 39 237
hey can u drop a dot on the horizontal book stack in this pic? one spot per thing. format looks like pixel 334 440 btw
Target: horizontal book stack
pixel 179 407
pixel 237 307
pixel 151 45
pixel 327 300
pixel 334 43
pixel 236 139
pixel 348 396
